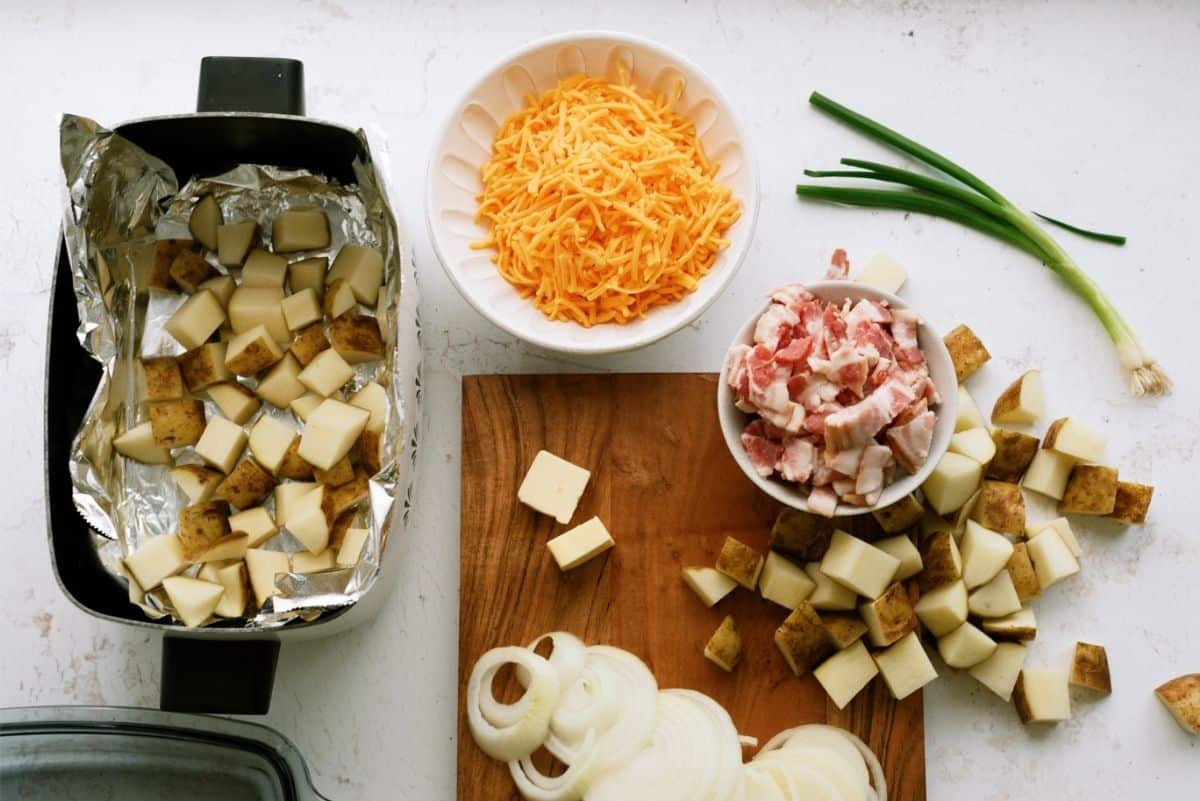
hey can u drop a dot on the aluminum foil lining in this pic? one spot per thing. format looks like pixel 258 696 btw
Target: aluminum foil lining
pixel 120 201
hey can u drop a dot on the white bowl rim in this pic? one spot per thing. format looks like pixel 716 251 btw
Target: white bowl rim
pixel 750 204
pixel 783 492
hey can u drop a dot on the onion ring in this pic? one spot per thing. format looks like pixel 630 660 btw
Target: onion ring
pixel 521 737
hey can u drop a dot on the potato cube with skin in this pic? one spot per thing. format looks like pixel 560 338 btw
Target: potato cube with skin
pixel 202 524
pixel 580 544
pixel 197 483
pixel 189 270
pixel 941 560
pixel 160 379
pixel 858 565
pixel 137 443
pixel 900 516
pixel 801 534
pixel 724 648
pixel 1091 490
pixel 1089 668
pixel 740 562
pixel 374 399
pixel 1014 452
pixel 1072 438
pixel 1048 474
pixel 902 548
pixel 968 415
pixel 997 598
pixel 974 443
pixel 1052 559
pixel 999 671
pixel 1062 527
pixel 370 451
pixel 230 547
pixel 252 351
pixel 252 306
pixel 305 562
pixel 984 554
pixel 1042 696
pixel 310 517
pixel 195 321
pixel 339 299
pixel 235 401
pixel 905 666
pixel 350 551
pixel 194 600
pixel 1023 402
pixel 304 405
pixel 300 229
pixel 264 567
pixel 341 473
pixel 1021 571
pixel 341 526
pixel 308 274
pixel 326 374
pixel 263 269
pixel 960 517
pixel 204 221
pixel 287 494
pixel 177 423
pixel 294 467
pixel 1181 697
pixel 351 493
pixel 234 241
pixel 1020 626
pixel 803 639
pixel 356 337
pixel 884 273
pixel 234 579
pixel 1001 507
pixel 1132 502
pixel 255 523
pixel 709 584
pixel 269 442
pixel 362 269
pixel 281 385
pixel 944 609
pixel 165 251
pixel 222 286
pixel 205 366
pixel 301 309
pixel 827 593
pixel 784 582
pixel 155 559
pixel 221 444
pixel 889 617
pixel 966 351
pixel 846 673
pixel 308 343
pixel 248 485
pixel 965 647
pixel 552 485
pixel 952 482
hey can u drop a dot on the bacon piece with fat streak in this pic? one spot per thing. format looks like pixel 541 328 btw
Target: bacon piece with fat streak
pixel 904 331
pixel 833 331
pixel 870 476
pixel 847 367
pixel 797 350
pixel 773 324
pixel 763 453
pixel 768 382
pixel 858 424
pixel 909 412
pixel 790 421
pixel 910 442
pixel 844 462
pixel 822 501
pixel 867 311
pixel 839 266
pixel 791 295
pixel 798 460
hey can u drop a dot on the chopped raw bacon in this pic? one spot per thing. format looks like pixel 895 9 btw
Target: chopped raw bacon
pixel 869 479
pixel 904 329
pixel 839 266
pixel 910 442
pixel 764 453
pixel 822 501
pixel 844 462
pixel 798 459
pixel 796 351
pixel 791 294
pixel 773 325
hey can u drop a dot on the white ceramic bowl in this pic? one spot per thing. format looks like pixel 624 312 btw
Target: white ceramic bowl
pixel 465 143
pixel 941 370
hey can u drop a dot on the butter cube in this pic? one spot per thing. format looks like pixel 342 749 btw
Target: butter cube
pixel 846 673
pixel 352 547
pixel 256 523
pixel 326 373
pixel 362 269
pixel 310 518
pixel 300 229
pixel 301 309
pixel 221 444
pixel 709 584
pixel 574 547
pixel 374 399
pixel 196 320
pixel 235 401
pixel 308 274
pixel 553 486
pixel 155 559
pixel 234 241
pixel 263 269
pixel 859 565
pixel 281 385
pixel 258 305
pixel 330 432
pixel 305 562
pixel 263 567
pixel 252 351
pixel 270 440
pixel 286 495
pixel 138 444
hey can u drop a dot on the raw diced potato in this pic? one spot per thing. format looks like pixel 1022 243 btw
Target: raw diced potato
pixel 1022 402
pixel 883 273
pixel 1091 490
pixel 341 526
pixel 933 524
pixel 138 444
pixel 846 673
pixel 194 600
pixel 905 666
pixel 858 565
pixel 801 534
pixel 999 671
pixel 293 466
pixel 968 415
pixel 197 483
pixel 960 518
pixel 889 617
pixel 803 639
pixel 270 440
pixel 281 385
pixel 264 269
pixel 974 443
pixel 264 567
pixel 160 379
pixel 221 444
pixel 1181 697
pixel 155 559
pixel 902 548
pixel 222 286
pixel 1052 559
pixel 1062 527
pixel 784 582
pixel 336 476
pixel 234 241
pixel 177 423
pixel 740 562
pixel 1089 668
pixel 1132 502
pixel 303 406
pixel 339 299
pixel 308 343
pixel 196 320
pixel 205 220
pixel 310 517
pixel 1072 438
pixel 308 274
pixel 997 598
pixel 230 547
pixel 900 516
pixel 287 494
pixel 965 647
pixel 189 270
pixel 1001 507
pixel 255 523
pixel 350 551
pixel 724 648
pixel 844 629
pixel 1024 577
pixel 362 269
pixel 1020 626
pixel 709 584
pixel 301 309
pixel 1014 453
pixel 1041 696
pixel 575 546
pixel 251 306
pixel 300 229
pixel 356 337
pixel 165 251
pixel 943 610
pixel 204 366
pixel 1048 474
pixel 351 493
pixel 248 485
pixel 235 401
pixel 200 525
pixel 952 482
pixel 966 351
pixel 370 451
pixel 941 560
pixel 373 398
pixel 252 351
pixel 326 374
pixel 234 579
pixel 984 554
pixel 305 562
pixel 828 594
pixel 330 431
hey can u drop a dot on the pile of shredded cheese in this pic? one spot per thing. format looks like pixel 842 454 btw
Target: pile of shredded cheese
pixel 601 202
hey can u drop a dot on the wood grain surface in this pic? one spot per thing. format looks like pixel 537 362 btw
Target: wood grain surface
pixel 666 487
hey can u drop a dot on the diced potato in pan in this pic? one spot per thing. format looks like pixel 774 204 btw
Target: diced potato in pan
pixel 247 486
pixel 281 385
pixel 189 270
pixel 263 269
pixel 234 241
pixel 201 525
pixel 341 473
pixel 308 343
pixel 252 306
pixel 197 483
pixel 310 517
pixel 362 270
pixel 305 562
pixel 256 523
pixel 155 559
pixel 160 379
pixel 339 299
pixel 350 551
pixel 235 401
pixel 177 423
pixel 222 286
pixel 301 309
pixel 252 351
pixel 326 373
pixel 308 274
pixel 356 337
pixel 235 581
pixel 204 366
pixel 264 567
pixel 221 444
pixel 138 444
pixel 300 229
pixel 204 221
pixel 195 321
pixel 194 600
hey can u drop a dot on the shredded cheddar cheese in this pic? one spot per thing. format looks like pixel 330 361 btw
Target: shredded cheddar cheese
pixel 601 203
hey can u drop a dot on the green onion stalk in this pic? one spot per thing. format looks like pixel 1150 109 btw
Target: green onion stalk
pixel 970 201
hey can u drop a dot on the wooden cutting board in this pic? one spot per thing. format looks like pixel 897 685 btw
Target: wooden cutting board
pixel 666 487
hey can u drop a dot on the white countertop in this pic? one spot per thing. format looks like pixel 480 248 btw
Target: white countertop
pixel 1086 110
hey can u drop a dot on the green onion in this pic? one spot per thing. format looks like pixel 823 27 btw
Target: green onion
pixel 1112 239
pixel 972 202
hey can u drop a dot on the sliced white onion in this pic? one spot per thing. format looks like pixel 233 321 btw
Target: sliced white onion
pixel 592 703
pixel 727 750
pixel 830 764
pixel 635 722
pixel 798 781
pixel 747 741
pixel 835 739
pixel 761 785
pixel 528 720
pixel 568 655
pixel 569 786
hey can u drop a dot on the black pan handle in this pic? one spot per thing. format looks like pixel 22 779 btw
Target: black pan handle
pixel 266 85
pixel 225 677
